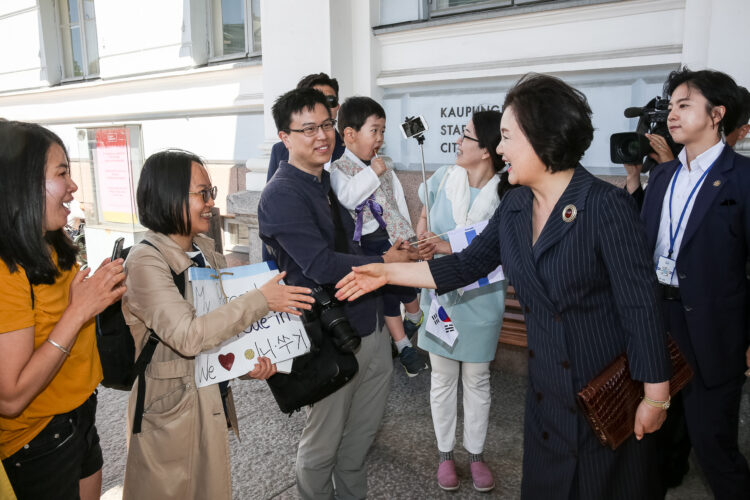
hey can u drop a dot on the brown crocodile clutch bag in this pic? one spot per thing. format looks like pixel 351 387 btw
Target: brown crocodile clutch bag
pixel 610 400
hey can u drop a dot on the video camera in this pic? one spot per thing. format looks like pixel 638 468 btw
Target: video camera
pixel 632 147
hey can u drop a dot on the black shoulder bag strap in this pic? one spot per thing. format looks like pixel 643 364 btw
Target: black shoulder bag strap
pixel 341 242
pixel 139 368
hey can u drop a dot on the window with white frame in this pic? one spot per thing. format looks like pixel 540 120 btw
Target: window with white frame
pixel 235 28
pixel 445 7
pixel 79 47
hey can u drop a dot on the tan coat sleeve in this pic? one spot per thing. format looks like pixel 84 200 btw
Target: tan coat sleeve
pixel 153 299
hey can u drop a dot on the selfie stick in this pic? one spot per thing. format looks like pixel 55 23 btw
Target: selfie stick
pixel 420 140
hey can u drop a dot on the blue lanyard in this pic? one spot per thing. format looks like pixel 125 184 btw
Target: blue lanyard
pixel 673 236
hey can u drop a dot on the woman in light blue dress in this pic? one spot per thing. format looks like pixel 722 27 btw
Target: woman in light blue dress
pixel 461 195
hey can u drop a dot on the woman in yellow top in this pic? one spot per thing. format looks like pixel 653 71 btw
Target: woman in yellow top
pixel 50 368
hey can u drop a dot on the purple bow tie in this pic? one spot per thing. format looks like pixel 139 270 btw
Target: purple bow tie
pixel 375 209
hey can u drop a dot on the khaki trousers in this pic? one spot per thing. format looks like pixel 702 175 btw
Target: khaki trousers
pixel 340 428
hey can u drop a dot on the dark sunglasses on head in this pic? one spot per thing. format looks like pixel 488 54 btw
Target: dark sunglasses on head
pixel 332 100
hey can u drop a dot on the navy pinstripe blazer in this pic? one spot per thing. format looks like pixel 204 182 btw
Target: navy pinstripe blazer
pixel 588 291
pixel 711 264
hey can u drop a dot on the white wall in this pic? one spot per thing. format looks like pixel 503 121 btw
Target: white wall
pixel 20 29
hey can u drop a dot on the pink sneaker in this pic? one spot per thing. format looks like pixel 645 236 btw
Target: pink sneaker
pixel 446 476
pixel 481 476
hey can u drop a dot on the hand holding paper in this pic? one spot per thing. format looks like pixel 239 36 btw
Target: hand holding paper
pixel 263 369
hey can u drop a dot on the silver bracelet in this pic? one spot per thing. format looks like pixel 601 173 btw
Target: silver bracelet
pixel 64 350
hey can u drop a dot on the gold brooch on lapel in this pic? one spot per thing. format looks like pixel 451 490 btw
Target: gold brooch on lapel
pixel 569 213
pixel 717 184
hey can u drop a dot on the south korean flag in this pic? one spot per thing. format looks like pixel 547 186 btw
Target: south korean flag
pixel 459 239
pixel 439 323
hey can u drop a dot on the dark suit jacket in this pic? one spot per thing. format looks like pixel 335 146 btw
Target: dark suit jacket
pixel 279 153
pixel 588 292
pixel 711 264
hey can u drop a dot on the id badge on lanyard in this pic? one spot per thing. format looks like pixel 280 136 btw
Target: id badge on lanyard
pixel 666 265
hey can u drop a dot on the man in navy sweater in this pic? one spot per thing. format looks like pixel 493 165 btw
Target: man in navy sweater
pixel 330 87
pixel 296 221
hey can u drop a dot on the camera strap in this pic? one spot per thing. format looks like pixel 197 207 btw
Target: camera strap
pixel 341 242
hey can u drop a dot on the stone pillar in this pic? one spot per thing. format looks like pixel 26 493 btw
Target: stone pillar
pixel 330 36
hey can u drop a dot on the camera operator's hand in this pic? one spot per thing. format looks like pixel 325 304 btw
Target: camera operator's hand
pixel 282 298
pixel 263 369
pixel 397 253
pixel 378 166
pixel 662 153
pixel 633 178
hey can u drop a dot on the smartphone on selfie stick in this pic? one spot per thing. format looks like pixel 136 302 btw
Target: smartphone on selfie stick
pixel 415 127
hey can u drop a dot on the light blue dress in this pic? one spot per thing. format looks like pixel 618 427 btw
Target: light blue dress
pixel 478 314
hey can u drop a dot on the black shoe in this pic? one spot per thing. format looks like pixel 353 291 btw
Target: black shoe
pixel 413 361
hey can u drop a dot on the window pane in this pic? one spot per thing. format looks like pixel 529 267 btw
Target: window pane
pixel 92 47
pixel 233 26
pixel 72 16
pixel 256 26
pixel 77 55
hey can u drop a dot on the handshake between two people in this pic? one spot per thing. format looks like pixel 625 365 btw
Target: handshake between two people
pixel 412 271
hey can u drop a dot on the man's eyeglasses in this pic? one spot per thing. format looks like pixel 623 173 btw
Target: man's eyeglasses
pixel 311 130
pixel 332 101
pixel 206 193
pixel 469 137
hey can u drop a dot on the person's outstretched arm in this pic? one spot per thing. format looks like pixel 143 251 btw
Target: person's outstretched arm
pixel 364 279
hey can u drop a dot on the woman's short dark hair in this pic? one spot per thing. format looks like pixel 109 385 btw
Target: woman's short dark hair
pixel 554 117
pixel 487 128
pixel 356 110
pixel 24 148
pixel 718 88
pixel 162 195
pixel 295 101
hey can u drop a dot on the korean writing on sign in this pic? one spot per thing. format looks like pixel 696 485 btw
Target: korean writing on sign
pixel 277 336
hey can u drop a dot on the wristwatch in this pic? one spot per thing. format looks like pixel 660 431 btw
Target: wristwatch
pixel 662 405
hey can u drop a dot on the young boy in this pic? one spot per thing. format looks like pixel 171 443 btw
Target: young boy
pixel 367 185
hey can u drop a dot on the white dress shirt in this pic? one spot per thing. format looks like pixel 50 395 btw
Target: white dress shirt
pixel 686 181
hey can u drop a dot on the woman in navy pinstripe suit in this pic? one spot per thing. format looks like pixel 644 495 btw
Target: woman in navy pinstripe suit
pixel 573 247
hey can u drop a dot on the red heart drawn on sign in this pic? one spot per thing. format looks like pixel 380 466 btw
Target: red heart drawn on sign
pixel 226 360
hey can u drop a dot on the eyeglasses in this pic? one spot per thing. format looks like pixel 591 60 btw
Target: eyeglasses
pixel 206 193
pixel 469 137
pixel 311 130
pixel 332 101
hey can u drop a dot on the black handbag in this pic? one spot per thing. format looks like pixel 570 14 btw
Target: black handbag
pixel 314 375
pixel 325 369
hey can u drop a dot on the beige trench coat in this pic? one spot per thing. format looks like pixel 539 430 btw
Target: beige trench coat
pixel 182 451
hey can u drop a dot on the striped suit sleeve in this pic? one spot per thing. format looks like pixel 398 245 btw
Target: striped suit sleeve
pixel 474 262
pixel 624 251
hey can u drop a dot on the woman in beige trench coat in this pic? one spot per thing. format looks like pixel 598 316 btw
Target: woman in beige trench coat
pixel 182 450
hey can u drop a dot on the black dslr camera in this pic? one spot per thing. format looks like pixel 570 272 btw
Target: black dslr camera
pixel 333 320
pixel 631 147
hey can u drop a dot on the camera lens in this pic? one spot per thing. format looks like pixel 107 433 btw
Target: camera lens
pixel 334 321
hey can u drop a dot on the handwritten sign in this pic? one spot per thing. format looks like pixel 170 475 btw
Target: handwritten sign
pixel 459 239
pixel 277 336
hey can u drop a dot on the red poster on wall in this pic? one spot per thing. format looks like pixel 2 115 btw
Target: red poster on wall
pixel 114 175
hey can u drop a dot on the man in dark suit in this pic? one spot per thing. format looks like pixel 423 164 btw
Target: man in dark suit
pixel 697 216
pixel 330 88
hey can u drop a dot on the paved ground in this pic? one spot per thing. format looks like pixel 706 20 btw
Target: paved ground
pixel 402 463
